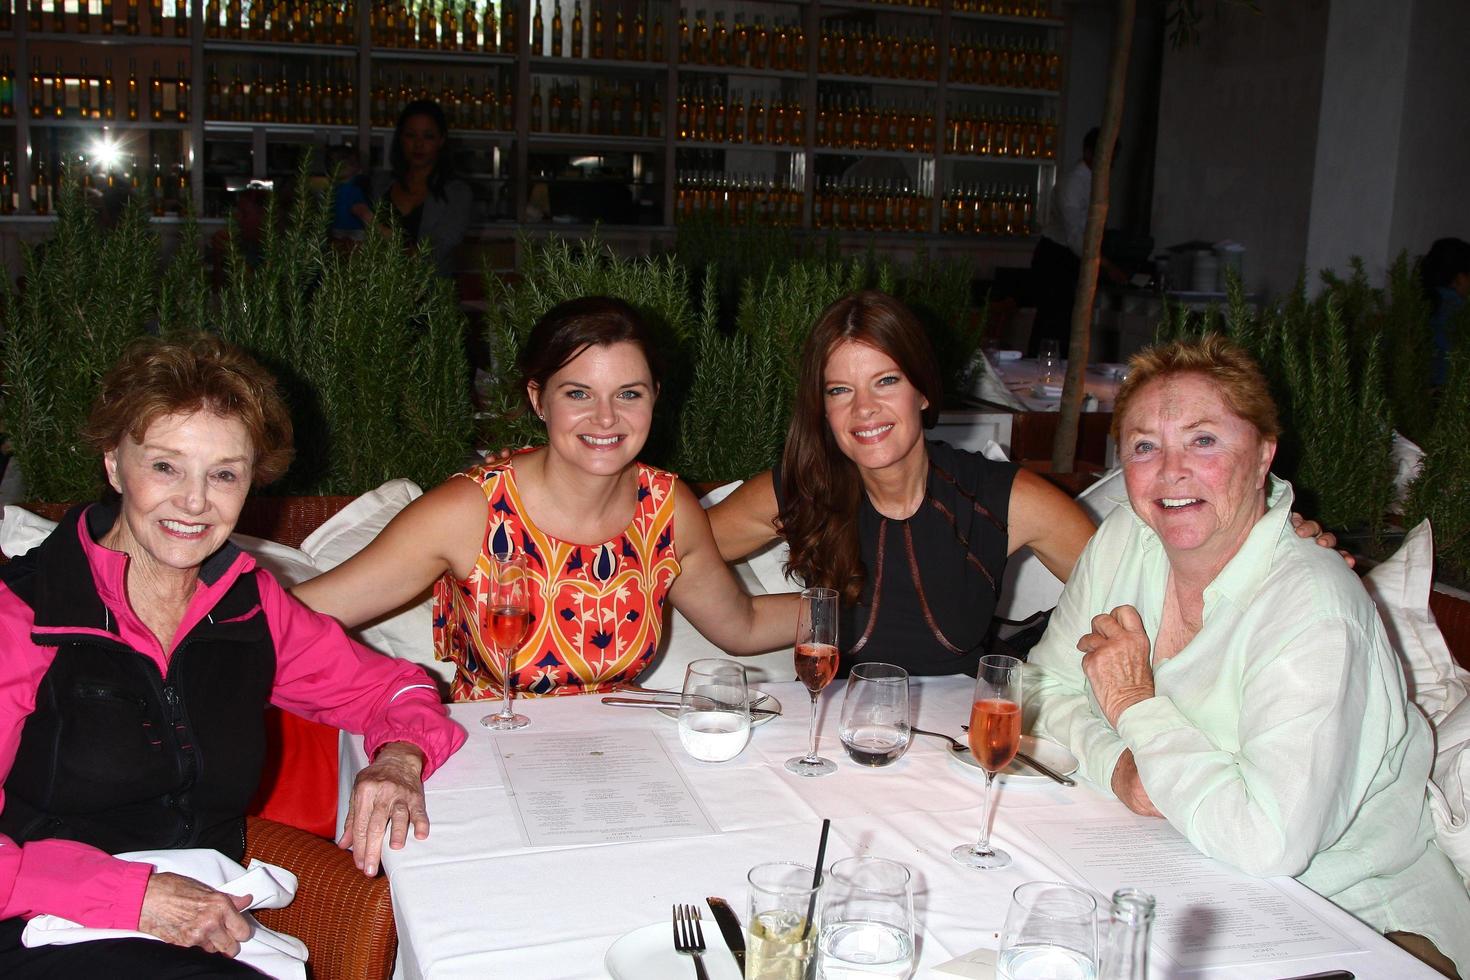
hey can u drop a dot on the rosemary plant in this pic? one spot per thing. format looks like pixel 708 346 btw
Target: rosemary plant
pixel 1441 489
pixel 87 295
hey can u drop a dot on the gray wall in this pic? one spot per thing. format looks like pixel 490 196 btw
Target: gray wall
pixel 1237 144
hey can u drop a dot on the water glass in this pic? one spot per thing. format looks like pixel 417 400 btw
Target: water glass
pixel 714 710
pixel 867 921
pixel 1048 360
pixel 779 938
pixel 875 714
pixel 1050 934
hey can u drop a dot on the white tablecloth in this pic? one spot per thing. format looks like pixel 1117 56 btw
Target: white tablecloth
pixel 472 901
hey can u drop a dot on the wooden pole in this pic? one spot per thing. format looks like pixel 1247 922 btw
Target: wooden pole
pixel 1064 449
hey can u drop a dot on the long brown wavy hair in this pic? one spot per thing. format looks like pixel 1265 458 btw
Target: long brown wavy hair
pixel 820 485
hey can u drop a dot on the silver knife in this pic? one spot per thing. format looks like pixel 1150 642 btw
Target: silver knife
pixel 1045 770
pixel 641 703
pixel 729 924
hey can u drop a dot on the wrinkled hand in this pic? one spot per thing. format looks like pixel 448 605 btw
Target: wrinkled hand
pixel 1129 788
pixel 184 912
pixel 390 792
pixel 1116 661
pixel 1324 537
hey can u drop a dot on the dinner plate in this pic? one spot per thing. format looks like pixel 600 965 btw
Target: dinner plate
pixel 648 954
pixel 760 700
pixel 1044 751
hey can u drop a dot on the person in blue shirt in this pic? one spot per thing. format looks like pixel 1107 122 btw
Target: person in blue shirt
pixel 350 207
pixel 1445 273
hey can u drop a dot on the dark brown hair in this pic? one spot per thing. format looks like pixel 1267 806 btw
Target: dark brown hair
pixel 572 326
pixel 1223 363
pixel 820 486
pixel 157 377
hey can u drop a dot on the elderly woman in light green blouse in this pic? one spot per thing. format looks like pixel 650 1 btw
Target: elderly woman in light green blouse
pixel 1213 668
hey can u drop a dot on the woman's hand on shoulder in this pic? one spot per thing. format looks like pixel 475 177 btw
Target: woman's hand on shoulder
pixel 746 520
pixel 440 531
pixel 1043 518
pixel 185 912
pixel 1325 538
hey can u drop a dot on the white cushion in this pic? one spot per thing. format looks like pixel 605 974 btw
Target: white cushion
pixel 767 566
pixel 1400 587
pixel 20 530
pixel 407 633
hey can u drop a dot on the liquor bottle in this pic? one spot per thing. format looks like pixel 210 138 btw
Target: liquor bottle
pixel 640 50
pixel 426 38
pixel 181 18
pixel 132 91
pixel 84 15
pixel 508 26
pixel 448 28
pixel 7 89
pixel 157 193
pixel 155 95
pixel 620 37
pixel 306 102
pixel 578 124
pixel 213 96
pixel 756 129
pixel 577 29
pixel 211 19
pixel 344 17
pixel 7 189
pixel 556 28
pixel 106 17
pixel 40 187
pixel 699 40
pixel 132 22
pixel 5 15
pixel 798 47
pixel 58 15
pixel 507 109
pixel 470 25
pixel 599 45
pixel 83 107
pixel 537 121
pixel 232 19
pixel 656 39
pixel 538 31
pixel 58 91
pixel 781 49
pixel 1125 952
pixel 684 53
pixel 719 41
pixel 181 94
pixel 656 116
pixel 155 16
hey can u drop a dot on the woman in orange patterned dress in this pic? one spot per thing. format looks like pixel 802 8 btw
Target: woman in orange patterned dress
pixel 606 538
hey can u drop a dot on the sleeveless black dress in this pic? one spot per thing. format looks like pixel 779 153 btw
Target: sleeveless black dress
pixel 932 581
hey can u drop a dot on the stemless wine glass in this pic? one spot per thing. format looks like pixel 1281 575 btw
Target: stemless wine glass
pixel 816 665
pixel 995 735
pixel 779 940
pixel 714 710
pixel 867 920
pixel 509 602
pixel 875 714
pixel 1048 360
pixel 1050 931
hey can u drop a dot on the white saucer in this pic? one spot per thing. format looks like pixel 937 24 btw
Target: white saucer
pixel 1044 751
pixel 648 954
pixel 758 699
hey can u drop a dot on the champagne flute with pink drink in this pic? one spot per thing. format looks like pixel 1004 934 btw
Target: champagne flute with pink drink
pixel 509 603
pixel 816 665
pixel 995 735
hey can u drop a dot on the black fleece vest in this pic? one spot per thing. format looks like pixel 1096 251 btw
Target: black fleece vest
pixel 116 755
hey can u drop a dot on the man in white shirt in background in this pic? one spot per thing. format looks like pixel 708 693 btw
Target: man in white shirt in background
pixel 1058 256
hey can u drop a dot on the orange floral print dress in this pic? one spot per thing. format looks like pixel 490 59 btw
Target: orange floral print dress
pixel 596 610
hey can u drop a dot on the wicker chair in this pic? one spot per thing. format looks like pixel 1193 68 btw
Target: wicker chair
pixel 344 918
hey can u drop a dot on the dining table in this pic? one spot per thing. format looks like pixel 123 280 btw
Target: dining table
pixel 474 899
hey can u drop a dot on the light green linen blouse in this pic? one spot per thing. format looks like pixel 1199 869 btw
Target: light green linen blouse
pixel 1280 740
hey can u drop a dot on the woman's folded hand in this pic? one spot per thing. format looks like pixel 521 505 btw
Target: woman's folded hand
pixel 182 911
pixel 1116 661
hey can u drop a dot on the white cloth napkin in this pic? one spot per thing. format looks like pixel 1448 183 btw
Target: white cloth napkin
pixel 274 954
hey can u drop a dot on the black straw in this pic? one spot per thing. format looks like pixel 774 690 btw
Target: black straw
pixel 811 905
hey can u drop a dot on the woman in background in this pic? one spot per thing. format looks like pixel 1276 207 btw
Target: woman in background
pixel 431 204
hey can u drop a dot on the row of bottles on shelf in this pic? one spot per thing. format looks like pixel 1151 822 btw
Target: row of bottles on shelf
pixel 108 17
pixel 328 101
pixel 294 21
pixel 855 49
pixel 737 199
pixel 81 94
pixel 705 116
pixel 1001 131
pixel 782 47
pixel 612 109
pixel 996 210
pixel 448 26
pixel 1010 62
pixel 629 42
pixel 869 205
pixel 859 123
pixel 166 187
pixel 490 109
pixel 994 8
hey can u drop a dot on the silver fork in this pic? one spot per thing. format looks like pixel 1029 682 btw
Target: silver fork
pixel 689 937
